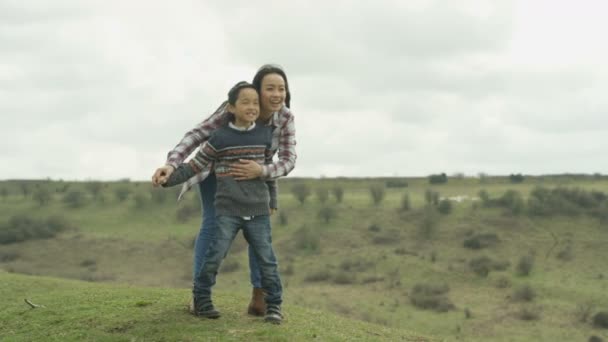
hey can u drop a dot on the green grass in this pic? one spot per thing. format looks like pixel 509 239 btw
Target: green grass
pixel 79 311
pixel 148 247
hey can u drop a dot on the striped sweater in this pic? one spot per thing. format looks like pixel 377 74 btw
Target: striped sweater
pixel 226 146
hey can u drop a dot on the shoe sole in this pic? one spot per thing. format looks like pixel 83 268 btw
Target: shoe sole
pixel 273 319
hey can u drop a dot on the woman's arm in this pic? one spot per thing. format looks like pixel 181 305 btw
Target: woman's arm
pixel 248 169
pixel 191 140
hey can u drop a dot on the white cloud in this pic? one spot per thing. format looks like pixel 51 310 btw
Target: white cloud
pixel 103 89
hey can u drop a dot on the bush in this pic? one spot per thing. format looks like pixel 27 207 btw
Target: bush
pixel 431 297
pixel 528 314
pixel 344 278
pixel 42 195
pixel 441 178
pixel 516 178
pixel 21 228
pixel 159 195
pixel 396 183
pixel 405 202
pixel 481 266
pixel 429 223
pixel 327 214
pixel 140 200
pixel 94 188
pixel 479 241
pixel 186 212
pixel 74 199
pixel 322 194
pixel 301 191
pixel 338 193
pixel 4 193
pixel 600 320
pixel 525 265
pixel 318 275
pixel 283 218
pixel 583 311
pixel 445 206
pixel 229 266
pixel 594 338
pixel 376 191
pixel 306 239
pixel 524 293
pixel 503 282
pixel 122 193
pixel 374 228
pixel 7 256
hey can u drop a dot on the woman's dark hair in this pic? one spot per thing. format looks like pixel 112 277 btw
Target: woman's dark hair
pixel 233 93
pixel 271 69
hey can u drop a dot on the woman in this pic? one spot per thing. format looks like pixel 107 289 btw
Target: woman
pixel 271 83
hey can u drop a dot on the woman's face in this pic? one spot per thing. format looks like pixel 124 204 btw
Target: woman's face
pixel 246 109
pixel 272 93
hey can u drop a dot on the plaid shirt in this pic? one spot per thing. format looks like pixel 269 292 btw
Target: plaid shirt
pixel 283 141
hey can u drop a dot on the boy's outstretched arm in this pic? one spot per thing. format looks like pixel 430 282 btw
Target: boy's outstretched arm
pixel 180 175
pixel 205 156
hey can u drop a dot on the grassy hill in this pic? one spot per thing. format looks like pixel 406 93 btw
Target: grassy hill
pixel 81 311
pixel 510 267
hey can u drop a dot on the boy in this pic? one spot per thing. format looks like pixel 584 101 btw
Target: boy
pixel 239 204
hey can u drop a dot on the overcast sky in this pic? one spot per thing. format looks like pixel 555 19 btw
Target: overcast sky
pixel 104 89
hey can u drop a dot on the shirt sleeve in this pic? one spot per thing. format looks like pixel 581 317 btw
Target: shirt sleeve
pixel 272 190
pixel 196 136
pixel 287 151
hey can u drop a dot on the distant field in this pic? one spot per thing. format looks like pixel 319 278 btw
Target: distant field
pixel 358 259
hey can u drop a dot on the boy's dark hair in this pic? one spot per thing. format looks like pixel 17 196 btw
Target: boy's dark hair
pixel 271 69
pixel 233 93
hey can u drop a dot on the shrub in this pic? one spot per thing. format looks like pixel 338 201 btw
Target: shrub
pixel 25 188
pixel 600 320
pixel 525 265
pixel 4 193
pixel 301 191
pixel 344 278
pixel 306 239
pixel 431 297
pixel 74 199
pixel 338 193
pixel 481 266
pixel 429 223
pixel 8 256
pixel 186 212
pixel 21 228
pixel 524 293
pixel 374 228
pixel 159 195
pixel 482 240
pixel 327 214
pixel 441 178
pixel 503 282
pixel 513 201
pixel 405 202
pixel 445 206
pixel 318 275
pixel 322 194
pixel 94 188
pixel 283 218
pixel 376 191
pixel 141 201
pixel 122 193
pixel 516 178
pixel 42 195
pixel 230 266
pixel 396 183
pixel 528 314
pixel 594 338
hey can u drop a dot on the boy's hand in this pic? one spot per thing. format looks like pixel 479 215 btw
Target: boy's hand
pixel 161 175
pixel 272 211
pixel 245 169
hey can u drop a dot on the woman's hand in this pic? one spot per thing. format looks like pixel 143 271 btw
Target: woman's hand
pixel 246 169
pixel 161 175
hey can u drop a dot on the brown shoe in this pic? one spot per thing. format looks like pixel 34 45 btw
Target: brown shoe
pixel 257 306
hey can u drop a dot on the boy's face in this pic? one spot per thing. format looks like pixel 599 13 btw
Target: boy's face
pixel 273 92
pixel 247 108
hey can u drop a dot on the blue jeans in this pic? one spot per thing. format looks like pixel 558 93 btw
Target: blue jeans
pixel 257 232
pixel 207 190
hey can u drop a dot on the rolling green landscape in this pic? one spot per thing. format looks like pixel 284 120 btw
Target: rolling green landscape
pixel 454 258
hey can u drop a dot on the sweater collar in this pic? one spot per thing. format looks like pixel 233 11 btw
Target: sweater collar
pixel 233 126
